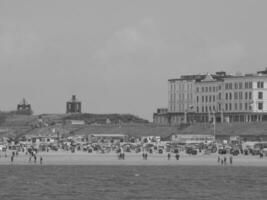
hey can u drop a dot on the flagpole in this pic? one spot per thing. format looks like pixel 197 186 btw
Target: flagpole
pixel 214 125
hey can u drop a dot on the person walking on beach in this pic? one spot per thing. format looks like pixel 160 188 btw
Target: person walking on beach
pixel 35 158
pixel 12 159
pixel 169 156
pixel 221 161
pixel 261 155
pixel 41 160
pixel 224 160
pixel 177 156
pixel 231 160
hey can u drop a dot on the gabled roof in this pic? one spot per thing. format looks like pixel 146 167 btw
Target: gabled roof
pixel 208 78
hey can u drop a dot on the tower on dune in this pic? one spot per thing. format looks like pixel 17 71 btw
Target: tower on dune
pixel 24 108
pixel 73 106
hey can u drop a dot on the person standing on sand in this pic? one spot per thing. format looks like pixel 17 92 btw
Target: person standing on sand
pixel 177 156
pixel 41 160
pixel 169 156
pixel 261 155
pixel 221 161
pixel 224 160
pixel 231 160
pixel 12 159
pixel 35 158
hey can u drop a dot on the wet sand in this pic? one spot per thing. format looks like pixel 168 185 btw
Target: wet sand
pixel 135 159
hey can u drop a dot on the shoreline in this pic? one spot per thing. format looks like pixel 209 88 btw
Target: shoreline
pixel 131 159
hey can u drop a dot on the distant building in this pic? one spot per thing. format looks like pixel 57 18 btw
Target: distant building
pixel 161 116
pixel 106 138
pixel 73 106
pixel 192 139
pixel 24 108
pixel 220 97
pixel 76 122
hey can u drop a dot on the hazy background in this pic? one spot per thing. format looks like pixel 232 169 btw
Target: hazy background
pixel 117 56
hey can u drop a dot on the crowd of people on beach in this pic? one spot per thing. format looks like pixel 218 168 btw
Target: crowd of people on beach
pixel 32 156
pixel 223 160
pixel 169 151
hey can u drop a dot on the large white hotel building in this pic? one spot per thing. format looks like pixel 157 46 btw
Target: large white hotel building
pixel 226 98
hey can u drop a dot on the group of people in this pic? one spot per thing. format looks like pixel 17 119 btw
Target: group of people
pixel 13 155
pixel 31 155
pixel 121 156
pixel 144 155
pixel 223 161
pixel 177 156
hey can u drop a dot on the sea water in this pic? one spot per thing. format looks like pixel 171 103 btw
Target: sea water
pixel 132 182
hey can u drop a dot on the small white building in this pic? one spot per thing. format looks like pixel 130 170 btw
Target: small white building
pixel 76 122
pixel 106 138
pixel 192 139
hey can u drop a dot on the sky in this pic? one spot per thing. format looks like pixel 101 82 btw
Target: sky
pixel 117 56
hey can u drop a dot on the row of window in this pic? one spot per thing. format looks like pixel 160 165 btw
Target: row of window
pixel 229 86
pixel 211 98
pixel 181 86
pixel 206 109
pixel 260 84
pixel 227 107
pixel 228 96
pixel 182 96
pixel 173 108
pixel 230 107
pixel 208 89
pixel 238 95
pixel 236 106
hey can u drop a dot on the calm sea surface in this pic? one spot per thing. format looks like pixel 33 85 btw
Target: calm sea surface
pixel 132 182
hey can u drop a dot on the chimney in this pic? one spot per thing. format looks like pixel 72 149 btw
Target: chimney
pixel 73 97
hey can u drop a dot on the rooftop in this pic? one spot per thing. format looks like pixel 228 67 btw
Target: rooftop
pixel 217 76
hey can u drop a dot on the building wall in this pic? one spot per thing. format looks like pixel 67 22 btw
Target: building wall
pixel 248 95
pixel 180 95
pixel 208 96
pixel 259 86
pixel 237 94
pixel 230 98
pixel 73 107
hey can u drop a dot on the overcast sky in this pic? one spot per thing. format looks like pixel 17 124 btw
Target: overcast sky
pixel 117 56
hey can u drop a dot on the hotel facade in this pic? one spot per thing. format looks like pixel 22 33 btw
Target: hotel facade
pixel 220 97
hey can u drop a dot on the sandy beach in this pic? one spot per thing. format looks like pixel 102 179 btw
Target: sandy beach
pixel 135 159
